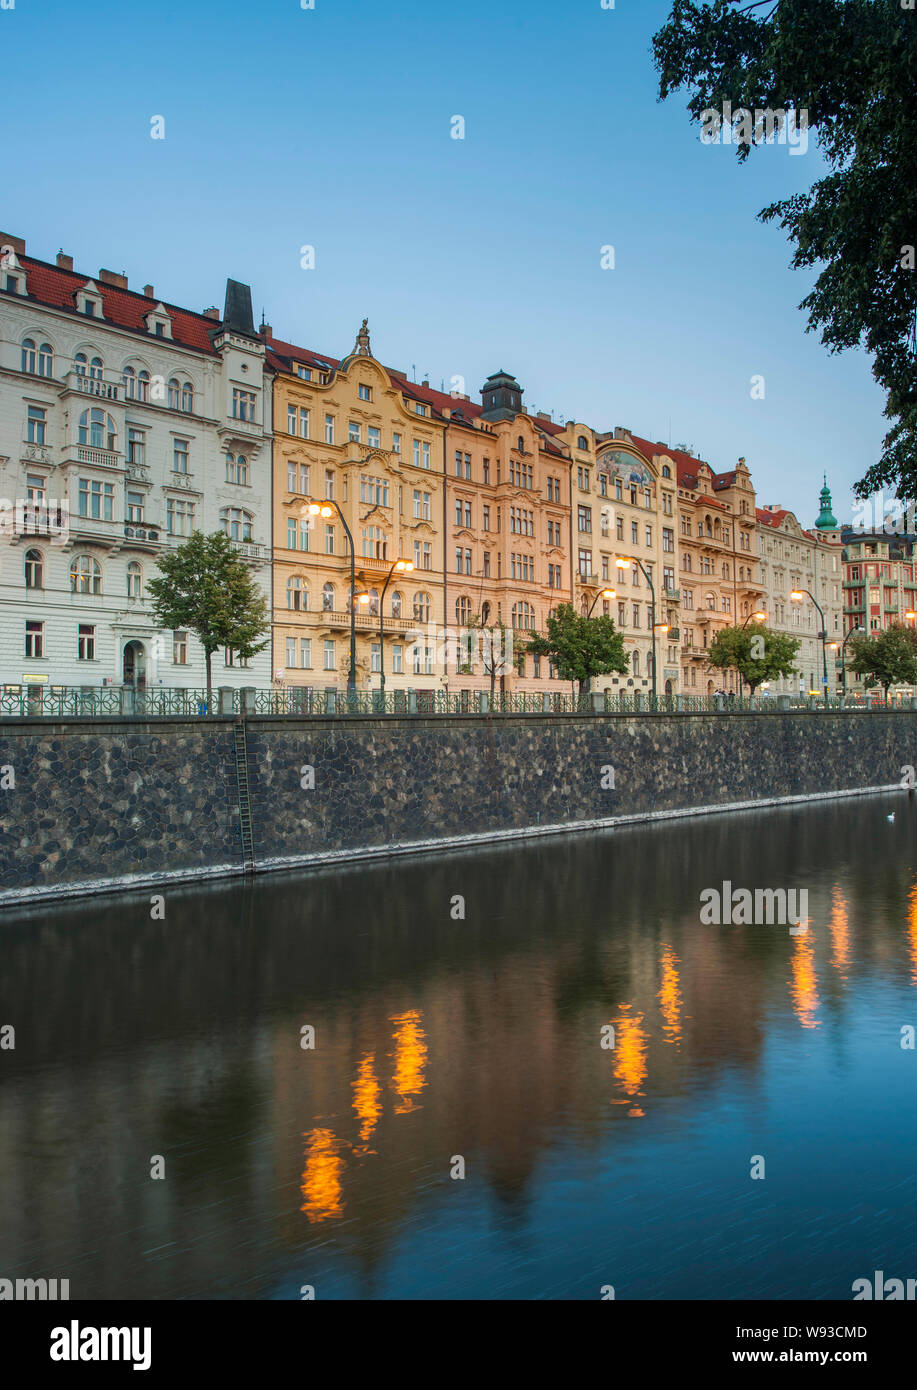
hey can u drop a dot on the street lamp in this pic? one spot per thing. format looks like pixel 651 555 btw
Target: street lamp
pixel 754 617
pixel 623 564
pixel 325 509
pixel 603 593
pixel 402 567
pixel 797 596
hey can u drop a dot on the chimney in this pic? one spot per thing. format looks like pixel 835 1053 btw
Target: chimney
pixel 110 277
pixel 16 242
pixel 622 432
pixel 543 415
pixel 426 383
pixel 212 313
pixel 149 292
pixel 64 262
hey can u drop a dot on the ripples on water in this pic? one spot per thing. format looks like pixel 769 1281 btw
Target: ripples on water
pixel 479 1039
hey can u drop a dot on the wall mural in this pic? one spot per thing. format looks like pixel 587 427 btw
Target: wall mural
pixel 617 464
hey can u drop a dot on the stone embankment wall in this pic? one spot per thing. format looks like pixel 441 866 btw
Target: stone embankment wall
pixel 96 804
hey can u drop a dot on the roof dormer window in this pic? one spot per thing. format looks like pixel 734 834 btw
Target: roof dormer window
pixel 12 273
pixel 88 300
pixel 158 322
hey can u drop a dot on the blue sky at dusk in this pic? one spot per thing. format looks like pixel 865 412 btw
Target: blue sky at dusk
pixel 331 127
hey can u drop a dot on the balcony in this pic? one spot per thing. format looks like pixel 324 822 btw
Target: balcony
pixel 368 622
pixel 143 537
pixel 248 550
pixel 590 579
pixel 671 596
pixel 86 385
pixel 102 458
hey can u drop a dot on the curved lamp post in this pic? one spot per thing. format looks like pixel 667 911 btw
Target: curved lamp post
pixel 797 596
pixel 603 593
pixel 327 509
pixel 402 567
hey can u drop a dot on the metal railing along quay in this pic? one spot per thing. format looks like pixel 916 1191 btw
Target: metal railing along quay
pixel 61 702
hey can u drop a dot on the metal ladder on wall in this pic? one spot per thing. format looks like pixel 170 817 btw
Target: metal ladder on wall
pixel 245 802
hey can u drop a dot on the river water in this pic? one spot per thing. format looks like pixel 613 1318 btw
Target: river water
pixel 168 1131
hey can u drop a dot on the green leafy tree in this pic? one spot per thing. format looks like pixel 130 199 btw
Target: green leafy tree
pixel 581 647
pixel 755 652
pixel 886 658
pixel 205 588
pixel 849 65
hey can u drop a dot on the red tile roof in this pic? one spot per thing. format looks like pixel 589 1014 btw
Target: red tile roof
pixel 50 285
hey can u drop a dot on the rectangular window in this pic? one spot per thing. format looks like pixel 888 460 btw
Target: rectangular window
pixel 180 648
pixel 396 443
pixel 86 642
pixel 136 442
pixel 291 651
pixel 179 516
pixel 291 424
pixel 375 438
pixel 633 532
pixel 329 664
pixel 305 653
pixel 668 539
pixel 486 564
pixel 96 499
pixel 649 537
pixel 585 562
pixel 486 513
pixel 636 608
pixel 364 392
pixel 135 506
pixel 329 485
pixel 180 456
pixel 375 660
pixel 329 429
pixel 353 432
pixel 416 452
pixel 303 423
pixel 584 518
pixel 329 539
pixel 397 659
pixel 36 425
pixel 34 639
pixel 243 404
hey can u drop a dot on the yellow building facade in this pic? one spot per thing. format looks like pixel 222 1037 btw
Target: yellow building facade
pixel 353 454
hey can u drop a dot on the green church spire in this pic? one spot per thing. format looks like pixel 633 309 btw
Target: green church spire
pixel 826 518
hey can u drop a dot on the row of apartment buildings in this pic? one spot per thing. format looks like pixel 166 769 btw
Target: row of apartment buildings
pixel 127 422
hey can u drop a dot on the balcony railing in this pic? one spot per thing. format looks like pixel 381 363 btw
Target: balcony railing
pixel 104 458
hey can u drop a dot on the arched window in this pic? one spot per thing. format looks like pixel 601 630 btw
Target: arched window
pixel 95 369
pixel 134 580
pixel 297 594
pixel 143 386
pixel 80 364
pixel 241 469
pixel 397 604
pixel 582 442
pixel 236 523
pixel 463 611
pixel 93 429
pixel 666 471
pixel 28 355
pixel 46 360
pixel 374 601
pixel 85 575
pixel 129 381
pixel 711 602
pixel 328 598
pixel 173 395
pixel 421 607
pixel 34 570
pixel 97 429
pixel 187 397
pixel 520 444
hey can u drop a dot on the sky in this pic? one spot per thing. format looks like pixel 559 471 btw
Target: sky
pixel 331 128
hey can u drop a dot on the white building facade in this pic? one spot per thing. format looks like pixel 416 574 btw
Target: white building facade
pixel 125 424
pixel 793 559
